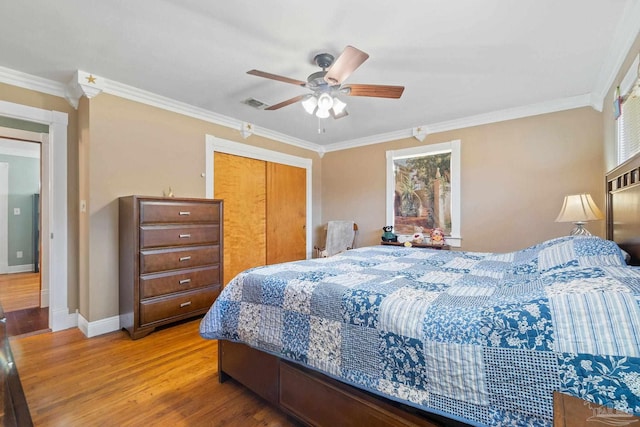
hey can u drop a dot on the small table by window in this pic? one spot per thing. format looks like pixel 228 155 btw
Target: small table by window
pixel 418 245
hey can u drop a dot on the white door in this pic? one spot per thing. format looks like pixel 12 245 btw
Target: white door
pixel 4 218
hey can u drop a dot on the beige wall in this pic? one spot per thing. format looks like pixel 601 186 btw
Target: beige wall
pixel 138 149
pixel 83 195
pixel 515 175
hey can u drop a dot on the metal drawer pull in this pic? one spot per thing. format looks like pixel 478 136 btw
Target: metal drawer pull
pixel 185 258
pixel 185 236
pixel 185 281
pixel 185 304
pixel 187 213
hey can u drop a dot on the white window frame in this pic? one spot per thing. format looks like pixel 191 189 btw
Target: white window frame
pixel 630 84
pixel 454 239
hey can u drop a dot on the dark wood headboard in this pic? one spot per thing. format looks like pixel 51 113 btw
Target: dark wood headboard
pixel 623 207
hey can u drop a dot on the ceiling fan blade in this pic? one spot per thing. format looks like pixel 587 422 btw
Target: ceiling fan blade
pixel 350 59
pixel 276 77
pixel 287 102
pixel 378 91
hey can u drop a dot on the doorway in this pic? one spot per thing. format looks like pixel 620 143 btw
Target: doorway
pixel 20 284
pixel 53 202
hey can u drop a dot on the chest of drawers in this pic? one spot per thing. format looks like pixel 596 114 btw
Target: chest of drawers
pixel 170 260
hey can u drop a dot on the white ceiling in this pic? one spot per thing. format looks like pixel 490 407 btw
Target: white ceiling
pixel 458 59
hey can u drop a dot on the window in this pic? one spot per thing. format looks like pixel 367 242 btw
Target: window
pixel 628 124
pixel 423 189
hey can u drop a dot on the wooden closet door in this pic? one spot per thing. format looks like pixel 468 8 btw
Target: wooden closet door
pixel 286 213
pixel 241 183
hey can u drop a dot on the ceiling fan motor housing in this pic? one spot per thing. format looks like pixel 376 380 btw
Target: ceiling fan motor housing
pixel 323 60
pixel 316 81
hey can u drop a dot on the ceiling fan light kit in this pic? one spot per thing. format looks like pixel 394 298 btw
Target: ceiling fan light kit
pixel 324 105
pixel 328 82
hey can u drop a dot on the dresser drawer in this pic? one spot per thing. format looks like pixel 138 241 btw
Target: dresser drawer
pixel 182 304
pixel 176 281
pixel 167 235
pixel 155 260
pixel 178 212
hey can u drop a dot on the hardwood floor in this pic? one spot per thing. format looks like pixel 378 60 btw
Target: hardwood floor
pixel 20 299
pixel 168 378
pixel 19 291
pixel 27 321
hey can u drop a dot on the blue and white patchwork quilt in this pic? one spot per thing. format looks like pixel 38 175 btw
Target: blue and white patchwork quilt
pixel 483 338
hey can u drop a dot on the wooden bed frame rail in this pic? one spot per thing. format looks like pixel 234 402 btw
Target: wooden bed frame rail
pixel 317 400
pixel 313 398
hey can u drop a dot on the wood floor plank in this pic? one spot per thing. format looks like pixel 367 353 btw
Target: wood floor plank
pixel 28 320
pixel 19 291
pixel 167 378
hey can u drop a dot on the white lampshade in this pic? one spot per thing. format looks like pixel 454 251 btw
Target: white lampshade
pixel 325 102
pixel 338 106
pixel 310 103
pixel 579 208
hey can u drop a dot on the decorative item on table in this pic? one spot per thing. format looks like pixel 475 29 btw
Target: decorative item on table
pixel 437 236
pixel 418 237
pixel 168 193
pixel 388 235
pixel 579 209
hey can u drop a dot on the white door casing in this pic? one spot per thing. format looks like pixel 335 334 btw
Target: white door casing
pixel 53 198
pixel 4 220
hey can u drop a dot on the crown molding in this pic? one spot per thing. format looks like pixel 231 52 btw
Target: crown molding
pixel 77 87
pixel 465 122
pixel 149 98
pixel 625 35
pixel 83 84
pixel 369 140
pixel 562 104
pixel 28 81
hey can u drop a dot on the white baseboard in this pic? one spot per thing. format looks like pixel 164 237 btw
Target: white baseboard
pixel 24 268
pixel 99 327
pixel 62 319
pixel 44 298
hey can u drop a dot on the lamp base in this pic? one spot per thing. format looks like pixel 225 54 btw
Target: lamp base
pixel 580 230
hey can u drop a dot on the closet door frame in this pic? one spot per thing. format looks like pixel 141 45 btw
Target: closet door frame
pixel 214 144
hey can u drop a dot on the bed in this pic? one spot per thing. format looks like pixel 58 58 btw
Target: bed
pixel 406 336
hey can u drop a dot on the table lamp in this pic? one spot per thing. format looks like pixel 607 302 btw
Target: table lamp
pixel 579 208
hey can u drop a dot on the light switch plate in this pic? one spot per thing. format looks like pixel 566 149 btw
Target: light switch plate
pixel 16 211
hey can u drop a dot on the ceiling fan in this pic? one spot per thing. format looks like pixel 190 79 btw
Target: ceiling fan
pixel 328 83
